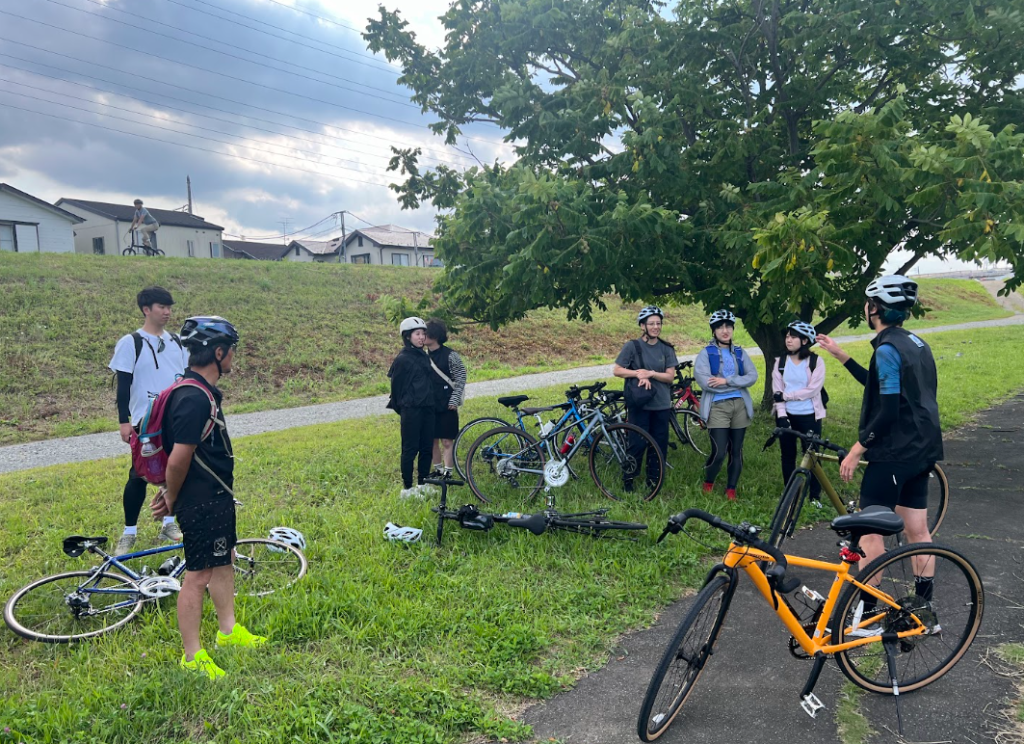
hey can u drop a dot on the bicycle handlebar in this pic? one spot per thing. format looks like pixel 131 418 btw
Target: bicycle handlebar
pixel 576 390
pixel 811 439
pixel 684 365
pixel 444 482
pixel 744 534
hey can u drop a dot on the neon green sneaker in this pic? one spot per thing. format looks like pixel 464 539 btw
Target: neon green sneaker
pixel 202 663
pixel 239 636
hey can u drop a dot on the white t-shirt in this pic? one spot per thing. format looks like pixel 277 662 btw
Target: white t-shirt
pixel 148 379
pixel 797 376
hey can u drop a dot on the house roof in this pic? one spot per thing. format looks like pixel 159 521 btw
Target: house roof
pixel 393 236
pixel 8 189
pixel 257 251
pixel 126 213
pixel 318 247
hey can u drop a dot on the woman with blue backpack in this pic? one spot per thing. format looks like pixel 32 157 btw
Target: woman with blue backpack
pixel 725 374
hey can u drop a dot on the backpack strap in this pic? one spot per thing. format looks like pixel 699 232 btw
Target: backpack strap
pixel 214 421
pixel 714 359
pixel 812 360
pixel 177 339
pixel 639 351
pixel 738 353
pixel 782 364
pixel 139 340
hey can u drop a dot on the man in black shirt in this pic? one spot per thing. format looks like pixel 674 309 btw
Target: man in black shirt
pixel 200 479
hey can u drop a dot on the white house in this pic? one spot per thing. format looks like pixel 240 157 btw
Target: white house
pixel 320 251
pixel 181 234
pixel 390 245
pixel 31 225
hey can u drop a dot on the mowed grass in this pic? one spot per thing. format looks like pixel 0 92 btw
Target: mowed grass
pixel 310 333
pixel 384 642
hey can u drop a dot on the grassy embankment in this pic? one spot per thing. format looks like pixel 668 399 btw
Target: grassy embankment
pixel 384 642
pixel 310 333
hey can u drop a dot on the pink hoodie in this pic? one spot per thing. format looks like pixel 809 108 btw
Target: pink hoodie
pixel 811 392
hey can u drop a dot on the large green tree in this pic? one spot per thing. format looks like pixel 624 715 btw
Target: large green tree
pixel 762 155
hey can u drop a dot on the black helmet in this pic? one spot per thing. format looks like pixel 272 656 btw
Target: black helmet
pixel 208 330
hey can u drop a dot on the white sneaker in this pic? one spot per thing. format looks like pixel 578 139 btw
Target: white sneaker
pixel 425 490
pixel 409 493
pixel 170 532
pixel 124 544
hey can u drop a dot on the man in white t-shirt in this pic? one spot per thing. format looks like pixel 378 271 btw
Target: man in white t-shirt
pixel 145 362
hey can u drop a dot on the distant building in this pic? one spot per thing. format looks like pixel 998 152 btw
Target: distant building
pixel 30 225
pixel 246 249
pixel 321 251
pixel 389 245
pixel 181 234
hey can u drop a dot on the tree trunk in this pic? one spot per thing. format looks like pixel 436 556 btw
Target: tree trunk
pixel 772 344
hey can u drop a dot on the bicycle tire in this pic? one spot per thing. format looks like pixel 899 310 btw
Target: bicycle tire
pixel 492 467
pixel 938 498
pixel 129 251
pixel 958 601
pixel 464 441
pixel 17 611
pixel 592 526
pixel 788 510
pixel 611 464
pixel 698 436
pixel 684 659
pixel 264 566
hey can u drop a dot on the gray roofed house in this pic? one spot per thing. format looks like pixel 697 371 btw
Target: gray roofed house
pixel 246 249
pixel 321 251
pixel 389 245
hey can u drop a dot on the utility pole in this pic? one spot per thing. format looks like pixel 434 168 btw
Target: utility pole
pixel 188 185
pixel 341 248
pixel 284 228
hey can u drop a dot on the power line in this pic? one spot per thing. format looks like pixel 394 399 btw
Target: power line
pixel 192 90
pixel 195 147
pixel 386 67
pixel 314 15
pixel 235 56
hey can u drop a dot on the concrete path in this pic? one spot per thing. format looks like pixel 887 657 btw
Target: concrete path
pixel 750 689
pixel 95 446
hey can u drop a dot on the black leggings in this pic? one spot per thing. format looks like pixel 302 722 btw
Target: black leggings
pixel 417 439
pixel 726 441
pixel 133 498
pixel 805 424
pixel 656 424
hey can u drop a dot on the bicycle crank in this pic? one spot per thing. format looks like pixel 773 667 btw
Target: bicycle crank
pixel 556 473
pixel 158 587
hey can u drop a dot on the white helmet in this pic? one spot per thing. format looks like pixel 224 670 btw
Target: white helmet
pixel 288 536
pixel 806 330
pixel 894 290
pixel 398 532
pixel 412 324
pixel 721 316
pixel 647 312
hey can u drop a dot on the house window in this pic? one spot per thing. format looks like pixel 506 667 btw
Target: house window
pixel 97 246
pixel 214 250
pixel 436 261
pixel 7 238
pixel 360 239
pixel 363 258
pixel 191 248
pixel 399 259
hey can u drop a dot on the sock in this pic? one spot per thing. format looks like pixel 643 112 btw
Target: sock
pixel 168 520
pixel 923 586
pixel 133 530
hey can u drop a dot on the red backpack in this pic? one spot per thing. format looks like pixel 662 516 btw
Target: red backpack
pixel 148 456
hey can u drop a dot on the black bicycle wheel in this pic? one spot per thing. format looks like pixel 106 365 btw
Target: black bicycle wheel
pixel 938 498
pixel 265 566
pixel 469 434
pixel 684 659
pixel 697 433
pixel 505 467
pixel 619 473
pixel 951 609
pixel 73 606
pixel 129 251
pixel 788 511
pixel 595 526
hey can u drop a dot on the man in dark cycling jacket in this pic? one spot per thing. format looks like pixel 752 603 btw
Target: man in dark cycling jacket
pixel 899 434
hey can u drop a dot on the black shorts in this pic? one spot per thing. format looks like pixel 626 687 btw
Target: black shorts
pixel 446 425
pixel 893 484
pixel 209 532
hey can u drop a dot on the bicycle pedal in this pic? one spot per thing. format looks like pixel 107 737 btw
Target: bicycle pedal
pixel 811 704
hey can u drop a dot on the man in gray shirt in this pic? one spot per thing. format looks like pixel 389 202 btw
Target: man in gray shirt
pixel 145 223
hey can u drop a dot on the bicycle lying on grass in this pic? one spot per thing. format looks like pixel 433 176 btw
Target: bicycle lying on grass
pixel 884 634
pixel 77 605
pixel 469 517
pixel 798 487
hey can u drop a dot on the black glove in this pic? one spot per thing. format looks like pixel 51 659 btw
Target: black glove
pixel 783 423
pixel 777 397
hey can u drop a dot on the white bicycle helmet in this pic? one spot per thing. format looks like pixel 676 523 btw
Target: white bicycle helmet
pixel 805 330
pixel 894 290
pixel 394 531
pixel 647 312
pixel 288 536
pixel 412 324
pixel 721 316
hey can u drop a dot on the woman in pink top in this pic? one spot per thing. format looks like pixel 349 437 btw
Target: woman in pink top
pixel 798 381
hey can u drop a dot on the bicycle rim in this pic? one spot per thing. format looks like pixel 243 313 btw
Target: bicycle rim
pixel 266 566
pixel 72 606
pixel 620 459
pixel 505 467
pixel 956 607
pixel 697 433
pixel 469 434
pixel 684 659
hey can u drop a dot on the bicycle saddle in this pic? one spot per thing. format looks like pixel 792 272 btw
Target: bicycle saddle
pixel 535 523
pixel 511 401
pixel 74 546
pixel 874 520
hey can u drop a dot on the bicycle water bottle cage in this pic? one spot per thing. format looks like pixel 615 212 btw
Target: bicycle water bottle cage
pixel 74 546
pixel 470 518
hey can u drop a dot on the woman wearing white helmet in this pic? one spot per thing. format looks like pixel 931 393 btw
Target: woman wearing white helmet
pixel 798 382
pixel 412 396
pixel 725 372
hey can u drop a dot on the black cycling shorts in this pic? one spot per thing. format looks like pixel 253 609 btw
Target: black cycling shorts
pixel 893 484
pixel 209 533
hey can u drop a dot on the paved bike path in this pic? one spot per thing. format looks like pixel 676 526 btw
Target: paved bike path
pixel 749 691
pixel 108 444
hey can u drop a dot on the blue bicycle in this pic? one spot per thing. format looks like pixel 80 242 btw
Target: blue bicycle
pixel 77 605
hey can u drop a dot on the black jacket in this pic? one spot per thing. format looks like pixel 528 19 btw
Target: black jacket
pixel 412 384
pixel 916 435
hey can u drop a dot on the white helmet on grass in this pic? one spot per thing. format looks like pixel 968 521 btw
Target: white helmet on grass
pixel 288 536
pixel 397 532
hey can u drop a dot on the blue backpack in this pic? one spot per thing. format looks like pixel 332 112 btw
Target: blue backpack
pixel 715 359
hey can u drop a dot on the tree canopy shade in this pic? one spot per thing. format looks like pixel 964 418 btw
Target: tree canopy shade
pixel 762 155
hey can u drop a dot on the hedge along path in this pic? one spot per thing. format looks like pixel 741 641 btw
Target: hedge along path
pixel 97 446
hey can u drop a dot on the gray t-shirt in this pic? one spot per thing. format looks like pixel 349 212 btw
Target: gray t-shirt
pixel 147 218
pixel 659 357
